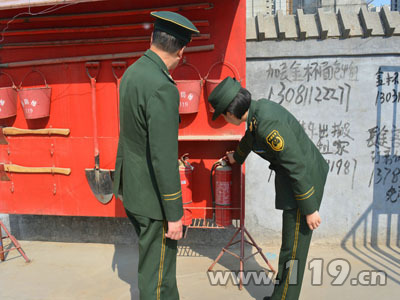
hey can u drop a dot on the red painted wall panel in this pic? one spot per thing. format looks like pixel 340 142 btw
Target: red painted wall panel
pixel 71 104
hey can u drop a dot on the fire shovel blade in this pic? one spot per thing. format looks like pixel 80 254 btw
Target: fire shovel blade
pixel 100 183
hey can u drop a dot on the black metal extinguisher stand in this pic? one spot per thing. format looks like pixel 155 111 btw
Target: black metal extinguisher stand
pixel 242 240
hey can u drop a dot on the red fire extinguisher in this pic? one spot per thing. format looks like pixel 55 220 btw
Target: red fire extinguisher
pixel 222 194
pixel 186 175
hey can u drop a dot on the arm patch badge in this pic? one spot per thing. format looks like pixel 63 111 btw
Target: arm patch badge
pixel 275 141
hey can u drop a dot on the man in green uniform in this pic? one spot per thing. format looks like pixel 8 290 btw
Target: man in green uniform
pixel 300 173
pixel 146 170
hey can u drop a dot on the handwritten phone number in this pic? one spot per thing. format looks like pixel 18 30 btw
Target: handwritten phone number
pixel 387 97
pixel 383 174
pixel 308 94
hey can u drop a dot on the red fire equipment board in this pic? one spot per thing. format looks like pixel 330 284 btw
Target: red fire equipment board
pixel 57 44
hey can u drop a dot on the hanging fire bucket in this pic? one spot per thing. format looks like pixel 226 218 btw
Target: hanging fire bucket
pixel 211 84
pixel 8 99
pixel 35 101
pixel 189 92
pixel 186 175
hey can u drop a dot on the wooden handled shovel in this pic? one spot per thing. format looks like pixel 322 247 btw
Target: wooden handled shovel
pixel 21 169
pixel 121 66
pixel 99 180
pixel 18 131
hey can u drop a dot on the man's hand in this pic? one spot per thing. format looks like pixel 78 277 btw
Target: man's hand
pixel 313 220
pixel 174 230
pixel 229 154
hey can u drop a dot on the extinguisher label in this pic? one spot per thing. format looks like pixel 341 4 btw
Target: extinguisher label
pixel 183 182
pixel 223 192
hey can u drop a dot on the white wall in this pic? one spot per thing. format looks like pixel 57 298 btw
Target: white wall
pixel 334 97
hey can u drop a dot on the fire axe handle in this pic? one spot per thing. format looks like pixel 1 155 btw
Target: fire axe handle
pixel 21 169
pixel 18 131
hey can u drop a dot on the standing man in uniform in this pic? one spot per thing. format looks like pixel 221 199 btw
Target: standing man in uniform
pixel 146 170
pixel 300 173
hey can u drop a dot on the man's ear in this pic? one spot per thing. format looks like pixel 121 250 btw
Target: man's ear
pixel 180 52
pixel 151 38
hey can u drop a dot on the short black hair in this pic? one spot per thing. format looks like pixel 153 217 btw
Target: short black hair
pixel 240 104
pixel 167 42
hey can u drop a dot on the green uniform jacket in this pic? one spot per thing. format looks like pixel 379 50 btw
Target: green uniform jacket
pixel 147 168
pixel 276 135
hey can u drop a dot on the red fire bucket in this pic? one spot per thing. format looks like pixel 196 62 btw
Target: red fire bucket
pixel 186 172
pixel 35 101
pixel 211 84
pixel 8 99
pixel 189 92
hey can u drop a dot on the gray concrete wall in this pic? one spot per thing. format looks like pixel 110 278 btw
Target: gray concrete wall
pixel 331 87
pixel 324 25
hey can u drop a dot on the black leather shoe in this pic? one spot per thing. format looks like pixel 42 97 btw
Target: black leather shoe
pixel 266 298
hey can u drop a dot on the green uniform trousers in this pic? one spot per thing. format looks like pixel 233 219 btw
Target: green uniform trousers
pixel 296 237
pixel 157 259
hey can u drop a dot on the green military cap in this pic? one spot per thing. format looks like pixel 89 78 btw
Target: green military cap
pixel 223 94
pixel 174 24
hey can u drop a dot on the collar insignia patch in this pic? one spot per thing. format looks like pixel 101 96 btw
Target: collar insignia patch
pixel 253 124
pixel 275 141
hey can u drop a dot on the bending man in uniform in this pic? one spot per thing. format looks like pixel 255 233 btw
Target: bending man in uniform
pixel 146 171
pixel 276 136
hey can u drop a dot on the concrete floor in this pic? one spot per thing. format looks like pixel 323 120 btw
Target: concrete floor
pixel 106 271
